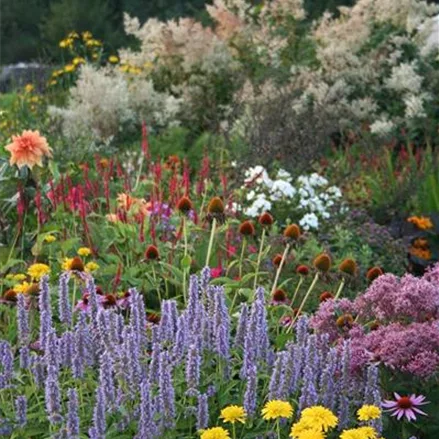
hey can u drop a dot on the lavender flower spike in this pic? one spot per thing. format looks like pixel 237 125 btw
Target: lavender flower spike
pixel 20 410
pixel 72 415
pixel 64 306
pixel 22 321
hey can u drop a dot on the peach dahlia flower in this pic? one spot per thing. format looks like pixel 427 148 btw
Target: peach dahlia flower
pixel 28 149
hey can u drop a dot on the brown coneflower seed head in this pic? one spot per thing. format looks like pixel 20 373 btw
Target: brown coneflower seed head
pixel 326 295
pixel 348 266
pixel 247 228
pixel 216 206
pixel 184 205
pixel 279 295
pixel 373 273
pixel 77 264
pixel 99 291
pixel 292 232
pixel 345 321
pixel 323 262
pixel 374 325
pixel 110 300
pixel 303 270
pixel 152 253
pixel 33 290
pixel 10 296
pixel 153 318
pixel 277 260
pixel 266 220
pixel 296 312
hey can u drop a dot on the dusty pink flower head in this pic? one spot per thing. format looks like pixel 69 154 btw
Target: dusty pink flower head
pixel 28 149
pixel 406 406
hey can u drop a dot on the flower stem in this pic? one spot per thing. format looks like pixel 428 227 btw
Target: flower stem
pixel 299 284
pixel 212 236
pixel 261 247
pixel 185 254
pixel 278 428
pixel 241 258
pixel 279 269
pixel 340 289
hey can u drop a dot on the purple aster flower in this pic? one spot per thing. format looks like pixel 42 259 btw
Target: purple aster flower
pixel 20 410
pixel 72 414
pixel 202 412
pixel 407 406
pixel 64 306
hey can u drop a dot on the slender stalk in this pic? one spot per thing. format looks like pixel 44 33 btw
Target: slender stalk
pixel 241 258
pixel 212 236
pixel 311 287
pixel 278 428
pixel 299 284
pixel 185 254
pixel 155 282
pixel 340 289
pixel 139 173
pixel 233 431
pixel 279 269
pixel 261 247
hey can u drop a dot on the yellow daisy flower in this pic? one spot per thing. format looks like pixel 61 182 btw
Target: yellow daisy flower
pixel 368 412
pixel 69 68
pixel 67 264
pixel 37 271
pixel 91 266
pixel 233 413
pixel 215 433
pixel 359 433
pixel 84 251
pixel 276 409
pixel 301 427
pixel 50 238
pixel 21 288
pixel 320 416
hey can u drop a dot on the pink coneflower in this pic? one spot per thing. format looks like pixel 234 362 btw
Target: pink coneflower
pixel 406 406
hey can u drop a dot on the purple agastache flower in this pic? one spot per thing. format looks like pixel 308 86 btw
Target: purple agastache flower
pixel 22 321
pixel 250 343
pixel 6 363
pixel 138 316
pixel 327 384
pixel 193 366
pixel 242 326
pixel 168 321
pixel 132 354
pixel 222 325
pixel 146 428
pixel 166 391
pixel 202 412
pixel 309 396
pixel 250 394
pixel 64 306
pixel 406 406
pixel 99 420
pixel 181 339
pixel 52 355
pixel 45 311
pixel 67 346
pixel 72 414
pixel 25 358
pixel 205 278
pixel 261 335
pixel 343 411
pixel 20 410
pixel 106 379
pixel 193 306
pixel 302 330
pixel 53 395
pixel 297 358
pixel 92 296
pixel 372 393
pixel 278 388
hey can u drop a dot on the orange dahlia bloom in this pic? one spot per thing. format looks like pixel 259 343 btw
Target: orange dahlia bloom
pixel 28 149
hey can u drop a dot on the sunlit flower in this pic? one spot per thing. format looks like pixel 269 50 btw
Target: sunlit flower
pixel 69 68
pixel 78 60
pixel 421 222
pixel 28 149
pixel 368 412
pixel 66 264
pixel 233 413
pixel 84 251
pixel 405 406
pixel 276 409
pixel 303 270
pixel 37 271
pixel 215 433
pixel 359 433
pixel 49 239
pixel 21 288
pixel 326 295
pixel 306 429
pixel 321 417
pixel 91 266
pixel 113 59
pixel 19 277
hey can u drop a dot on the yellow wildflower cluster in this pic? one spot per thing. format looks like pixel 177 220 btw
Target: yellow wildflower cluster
pixel 127 68
pixel 49 239
pixel 84 251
